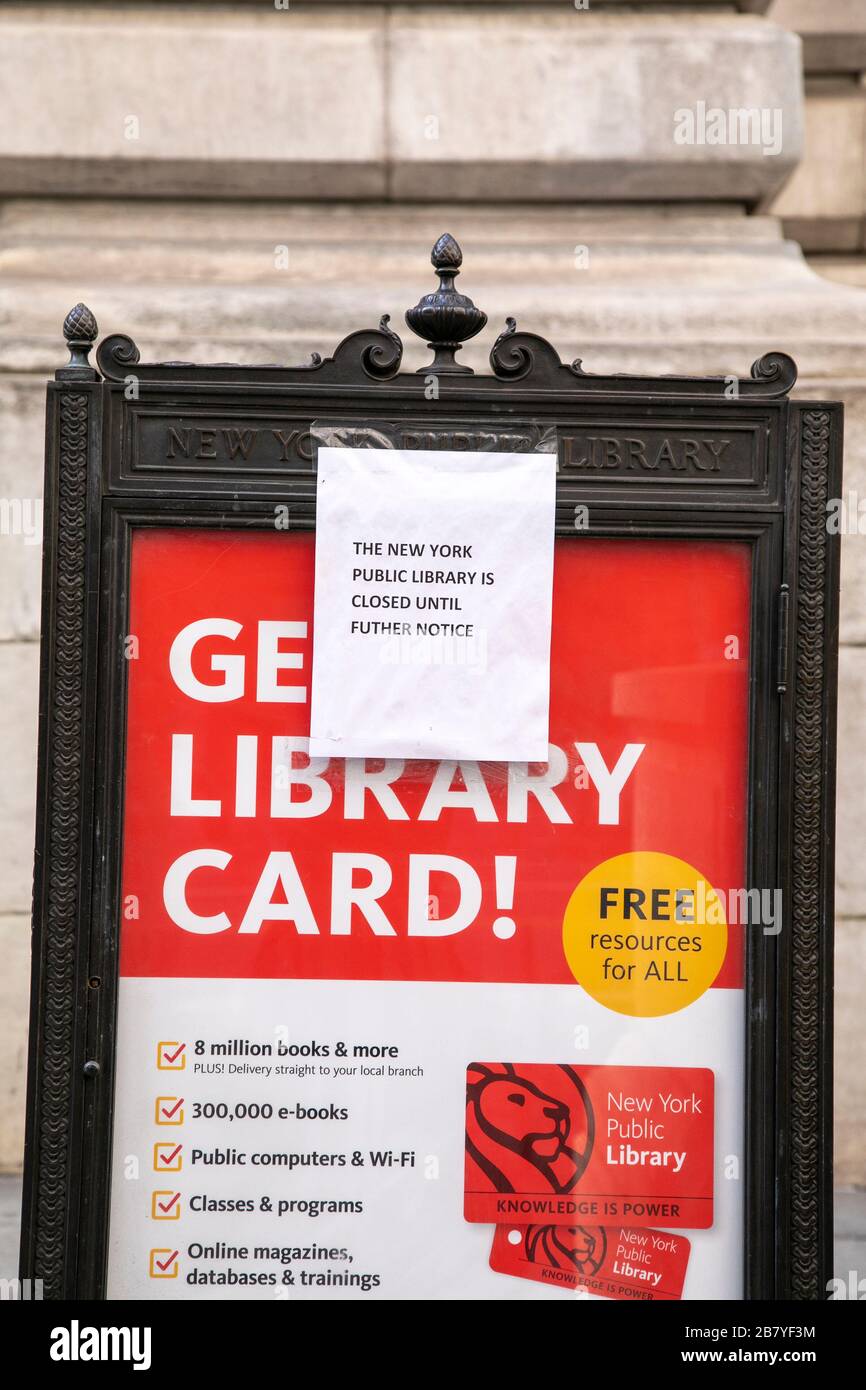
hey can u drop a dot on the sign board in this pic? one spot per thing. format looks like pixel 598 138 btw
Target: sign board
pixel 562 1022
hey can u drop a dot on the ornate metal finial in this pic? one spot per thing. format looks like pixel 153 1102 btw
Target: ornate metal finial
pixel 79 329
pixel 445 317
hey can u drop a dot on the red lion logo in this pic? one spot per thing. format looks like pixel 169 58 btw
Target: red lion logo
pixel 528 1135
pixel 567 1247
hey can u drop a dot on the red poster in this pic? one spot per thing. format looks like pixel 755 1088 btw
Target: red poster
pixel 421 871
pixel 316 952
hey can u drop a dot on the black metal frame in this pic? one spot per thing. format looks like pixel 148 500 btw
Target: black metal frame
pixel 108 471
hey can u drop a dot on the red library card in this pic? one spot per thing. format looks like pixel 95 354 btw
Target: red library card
pixel 620 1262
pixel 558 1143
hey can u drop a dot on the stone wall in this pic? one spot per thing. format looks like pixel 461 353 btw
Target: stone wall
pixel 155 159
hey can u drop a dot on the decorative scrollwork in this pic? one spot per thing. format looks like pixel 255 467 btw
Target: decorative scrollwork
pixel 382 359
pixel 115 355
pixel 445 319
pixel 516 355
pixel 775 369
pixel 378 351
pixel 510 360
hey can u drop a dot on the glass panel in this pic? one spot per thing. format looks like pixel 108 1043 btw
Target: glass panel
pixel 432 1030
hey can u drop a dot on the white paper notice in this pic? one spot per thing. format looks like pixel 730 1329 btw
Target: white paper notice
pixel 434 575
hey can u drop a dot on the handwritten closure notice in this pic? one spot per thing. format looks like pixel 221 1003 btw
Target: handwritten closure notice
pixel 434 573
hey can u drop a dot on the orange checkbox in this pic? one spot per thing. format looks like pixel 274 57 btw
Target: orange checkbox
pixel 169 1110
pixel 164 1264
pixel 167 1158
pixel 165 1205
pixel 171 1056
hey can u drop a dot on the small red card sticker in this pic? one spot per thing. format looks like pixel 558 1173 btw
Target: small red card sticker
pixel 621 1262
pixel 557 1144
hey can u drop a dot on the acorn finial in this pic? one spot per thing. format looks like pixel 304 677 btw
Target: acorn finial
pixel 446 254
pixel 80 329
pixel 445 317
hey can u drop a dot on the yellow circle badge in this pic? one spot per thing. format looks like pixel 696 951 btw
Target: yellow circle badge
pixel 645 934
